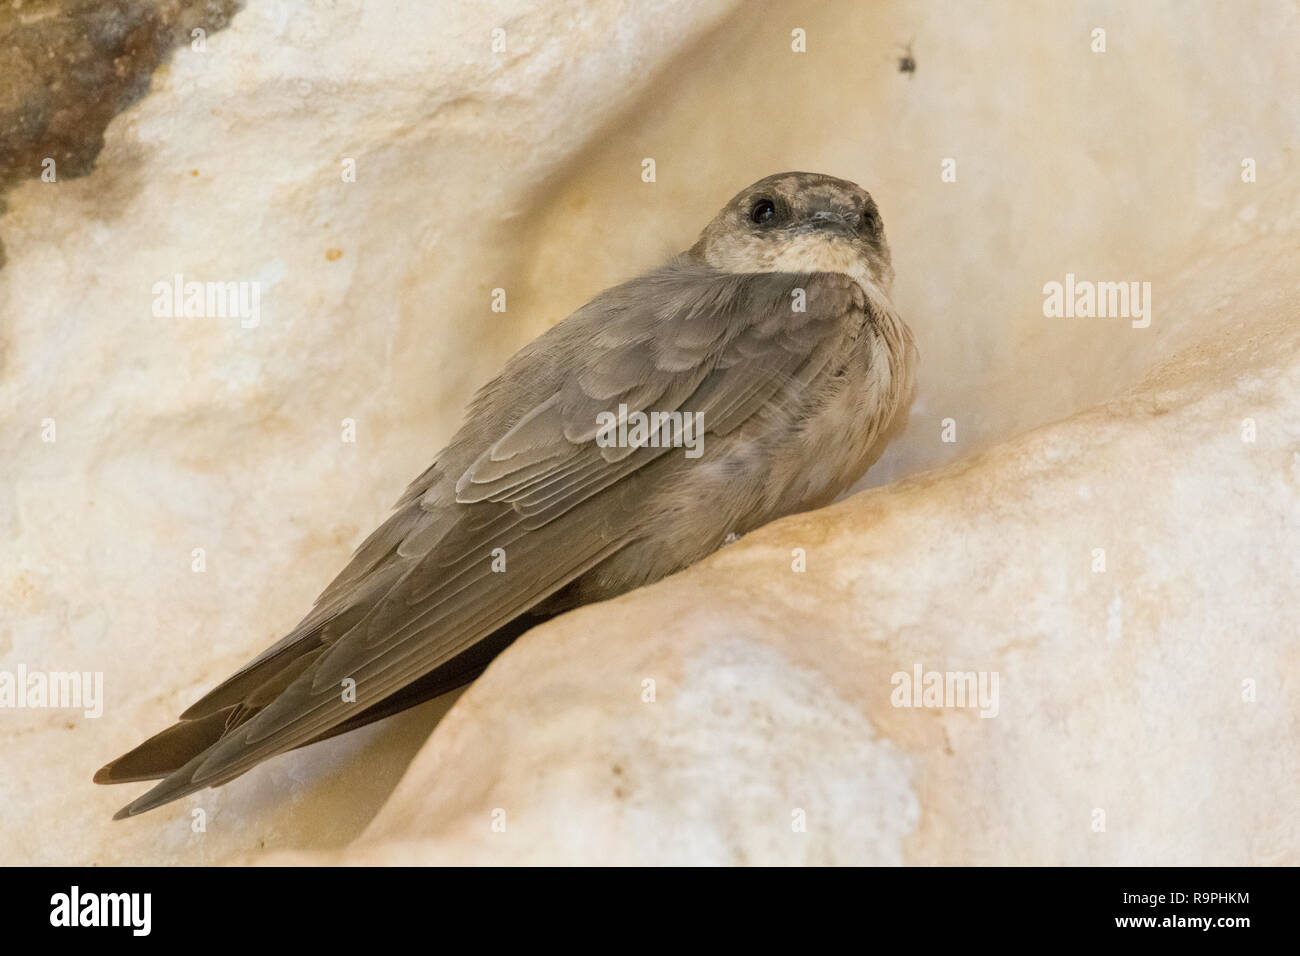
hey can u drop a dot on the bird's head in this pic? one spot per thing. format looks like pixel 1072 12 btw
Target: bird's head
pixel 800 222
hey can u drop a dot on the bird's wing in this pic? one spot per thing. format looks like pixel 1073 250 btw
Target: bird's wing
pixel 525 475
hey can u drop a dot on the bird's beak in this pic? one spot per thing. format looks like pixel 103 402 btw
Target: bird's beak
pixel 831 221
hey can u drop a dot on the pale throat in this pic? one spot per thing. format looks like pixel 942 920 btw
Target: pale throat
pixel 806 253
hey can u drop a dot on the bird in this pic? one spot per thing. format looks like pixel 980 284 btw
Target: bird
pixel 771 347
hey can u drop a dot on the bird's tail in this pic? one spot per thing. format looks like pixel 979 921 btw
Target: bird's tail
pixel 168 750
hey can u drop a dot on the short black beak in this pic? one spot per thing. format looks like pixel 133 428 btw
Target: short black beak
pixel 829 220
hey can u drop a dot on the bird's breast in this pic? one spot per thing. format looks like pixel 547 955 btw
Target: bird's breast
pixel 849 406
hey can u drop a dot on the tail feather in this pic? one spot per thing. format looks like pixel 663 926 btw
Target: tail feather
pixel 164 754
pixel 167 751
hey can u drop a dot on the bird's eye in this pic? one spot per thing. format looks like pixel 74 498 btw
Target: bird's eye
pixel 762 212
pixel 869 220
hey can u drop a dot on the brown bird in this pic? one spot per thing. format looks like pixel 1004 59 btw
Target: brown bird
pixel 768 360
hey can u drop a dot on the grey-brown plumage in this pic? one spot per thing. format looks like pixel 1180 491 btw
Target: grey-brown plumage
pixel 776 327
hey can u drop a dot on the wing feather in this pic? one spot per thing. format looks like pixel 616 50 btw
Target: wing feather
pixel 525 475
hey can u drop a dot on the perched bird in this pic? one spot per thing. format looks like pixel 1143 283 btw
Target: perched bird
pixel 774 336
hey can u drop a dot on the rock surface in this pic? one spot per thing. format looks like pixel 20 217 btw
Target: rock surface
pixel 68 66
pixel 475 170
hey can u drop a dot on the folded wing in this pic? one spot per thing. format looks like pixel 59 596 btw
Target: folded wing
pixel 525 475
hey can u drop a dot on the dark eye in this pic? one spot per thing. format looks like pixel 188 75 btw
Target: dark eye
pixel 762 212
pixel 869 221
